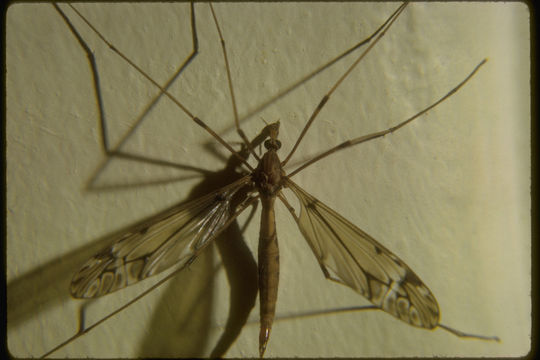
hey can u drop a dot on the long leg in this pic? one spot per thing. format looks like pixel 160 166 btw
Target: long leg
pixel 305 78
pixel 375 135
pixel 197 120
pixel 231 87
pixel 107 148
pixel 240 132
pixel 326 97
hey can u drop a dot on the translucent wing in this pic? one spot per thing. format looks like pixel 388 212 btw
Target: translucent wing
pixel 349 256
pixel 173 237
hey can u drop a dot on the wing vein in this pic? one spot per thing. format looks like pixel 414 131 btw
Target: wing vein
pixel 172 237
pixel 353 258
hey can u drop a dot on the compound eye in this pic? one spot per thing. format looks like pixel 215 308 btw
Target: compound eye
pixel 272 144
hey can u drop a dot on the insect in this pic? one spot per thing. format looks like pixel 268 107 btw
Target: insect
pixel 301 194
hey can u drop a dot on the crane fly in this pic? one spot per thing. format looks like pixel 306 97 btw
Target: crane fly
pixel 346 254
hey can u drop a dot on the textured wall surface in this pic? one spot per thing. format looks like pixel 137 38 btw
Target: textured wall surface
pixel 449 194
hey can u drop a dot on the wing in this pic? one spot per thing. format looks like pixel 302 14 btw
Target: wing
pixel 351 257
pixel 175 236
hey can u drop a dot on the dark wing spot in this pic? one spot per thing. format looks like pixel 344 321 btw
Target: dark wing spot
pixel 411 278
pixel 396 260
pixel 311 204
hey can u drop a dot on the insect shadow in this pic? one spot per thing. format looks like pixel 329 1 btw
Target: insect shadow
pixel 47 285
